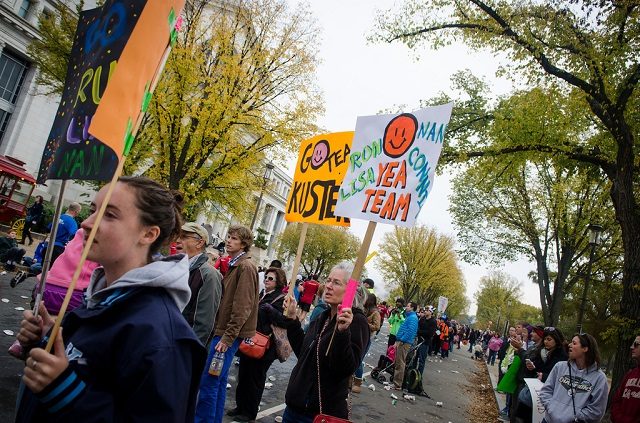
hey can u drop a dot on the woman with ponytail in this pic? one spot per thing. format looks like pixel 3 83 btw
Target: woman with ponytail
pixel 127 354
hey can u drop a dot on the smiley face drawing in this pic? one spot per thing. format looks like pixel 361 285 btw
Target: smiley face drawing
pixel 399 135
pixel 320 154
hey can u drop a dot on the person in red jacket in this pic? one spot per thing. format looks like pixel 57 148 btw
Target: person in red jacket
pixel 384 313
pixel 309 290
pixel 625 405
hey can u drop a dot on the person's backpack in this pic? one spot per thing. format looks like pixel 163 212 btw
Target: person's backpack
pixel 413 381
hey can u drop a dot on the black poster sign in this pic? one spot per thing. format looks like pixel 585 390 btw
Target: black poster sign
pixel 71 152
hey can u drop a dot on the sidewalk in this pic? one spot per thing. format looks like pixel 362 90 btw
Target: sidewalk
pixel 500 397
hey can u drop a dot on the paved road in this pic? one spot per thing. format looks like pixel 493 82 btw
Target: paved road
pixel 442 384
pixel 10 368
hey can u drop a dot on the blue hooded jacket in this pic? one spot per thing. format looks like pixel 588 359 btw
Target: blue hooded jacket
pixel 132 356
pixel 409 329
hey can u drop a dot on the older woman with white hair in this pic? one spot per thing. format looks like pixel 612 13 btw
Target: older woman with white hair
pixel 328 354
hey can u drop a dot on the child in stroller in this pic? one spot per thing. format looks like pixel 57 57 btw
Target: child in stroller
pixel 412 378
pixel 385 364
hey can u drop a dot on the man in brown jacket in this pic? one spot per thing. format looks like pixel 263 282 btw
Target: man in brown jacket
pixel 236 320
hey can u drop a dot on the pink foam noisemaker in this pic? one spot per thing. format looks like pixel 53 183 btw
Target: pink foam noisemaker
pixel 349 294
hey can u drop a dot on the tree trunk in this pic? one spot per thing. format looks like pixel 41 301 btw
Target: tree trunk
pixel 628 216
pixel 629 221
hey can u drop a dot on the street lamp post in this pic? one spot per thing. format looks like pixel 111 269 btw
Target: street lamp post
pixel 594 241
pixel 506 317
pixel 265 178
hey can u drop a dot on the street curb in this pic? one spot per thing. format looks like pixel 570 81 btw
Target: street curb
pixel 500 400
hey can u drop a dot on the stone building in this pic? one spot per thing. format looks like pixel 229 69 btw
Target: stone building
pixel 26 115
pixel 268 216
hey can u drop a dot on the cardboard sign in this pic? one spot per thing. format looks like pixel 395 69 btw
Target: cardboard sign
pixel 71 152
pixel 537 411
pixel 322 165
pixel 392 165
pixel 128 92
pixel 443 302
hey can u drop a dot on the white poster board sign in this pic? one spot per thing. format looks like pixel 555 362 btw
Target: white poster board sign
pixel 443 302
pixel 537 412
pixel 392 165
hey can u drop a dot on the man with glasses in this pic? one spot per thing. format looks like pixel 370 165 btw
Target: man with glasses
pixel 625 405
pixel 204 280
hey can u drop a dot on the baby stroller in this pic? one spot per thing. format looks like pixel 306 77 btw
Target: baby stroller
pixel 412 377
pixel 385 364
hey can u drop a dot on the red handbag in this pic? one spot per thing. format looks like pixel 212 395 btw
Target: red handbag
pixel 325 418
pixel 256 346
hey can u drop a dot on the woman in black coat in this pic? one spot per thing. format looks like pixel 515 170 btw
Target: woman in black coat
pixel 252 373
pixel 555 350
pixel 332 348
pixel 34 213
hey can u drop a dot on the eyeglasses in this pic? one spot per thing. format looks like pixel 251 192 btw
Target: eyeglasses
pixel 636 344
pixel 549 329
pixel 269 278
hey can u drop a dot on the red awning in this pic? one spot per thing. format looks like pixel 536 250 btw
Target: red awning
pixel 15 167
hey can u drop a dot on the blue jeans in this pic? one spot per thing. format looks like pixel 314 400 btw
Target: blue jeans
pixel 360 370
pixel 423 352
pixel 291 416
pixel 492 357
pixel 213 389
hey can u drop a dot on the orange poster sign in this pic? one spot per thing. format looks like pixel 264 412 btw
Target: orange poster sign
pixel 128 87
pixel 322 164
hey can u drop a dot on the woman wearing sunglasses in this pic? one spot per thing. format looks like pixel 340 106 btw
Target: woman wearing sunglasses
pixel 625 406
pixel 252 373
pixel 576 390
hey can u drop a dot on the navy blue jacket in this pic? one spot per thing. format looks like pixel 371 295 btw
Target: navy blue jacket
pixel 133 358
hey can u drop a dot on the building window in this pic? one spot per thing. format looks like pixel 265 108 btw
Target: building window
pixel 4 121
pixel 24 9
pixel 12 73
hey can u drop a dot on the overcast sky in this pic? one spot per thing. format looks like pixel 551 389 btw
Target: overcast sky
pixel 360 78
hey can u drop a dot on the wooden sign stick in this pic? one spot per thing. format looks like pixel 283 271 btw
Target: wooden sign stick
pixel 357 268
pixel 46 263
pixel 364 251
pixel 85 252
pixel 296 262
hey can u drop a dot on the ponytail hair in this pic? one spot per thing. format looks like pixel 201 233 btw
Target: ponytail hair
pixel 159 207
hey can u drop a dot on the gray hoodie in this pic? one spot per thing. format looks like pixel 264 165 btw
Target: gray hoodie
pixel 170 273
pixel 590 393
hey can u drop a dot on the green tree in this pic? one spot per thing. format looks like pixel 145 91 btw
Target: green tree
pixel 421 265
pixel 590 48
pixel 239 82
pixel 531 205
pixel 324 247
pixel 602 311
pixel 496 300
pixel 50 52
